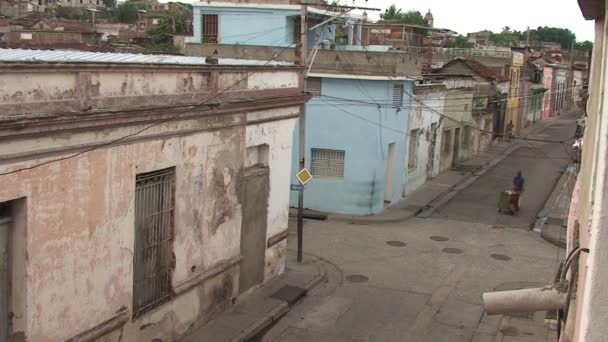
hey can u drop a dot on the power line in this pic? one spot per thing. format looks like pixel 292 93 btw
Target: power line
pixel 444 144
pixel 360 102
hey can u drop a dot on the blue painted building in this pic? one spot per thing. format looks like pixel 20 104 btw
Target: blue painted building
pixel 355 151
pixel 255 24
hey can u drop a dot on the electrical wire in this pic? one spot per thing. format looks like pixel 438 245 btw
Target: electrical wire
pixel 144 129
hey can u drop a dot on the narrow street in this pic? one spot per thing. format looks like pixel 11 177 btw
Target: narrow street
pixel 422 279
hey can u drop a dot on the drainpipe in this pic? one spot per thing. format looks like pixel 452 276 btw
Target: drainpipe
pixel 527 300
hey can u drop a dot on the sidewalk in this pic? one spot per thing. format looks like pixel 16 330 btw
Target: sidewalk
pixel 439 190
pixel 264 306
pixel 553 217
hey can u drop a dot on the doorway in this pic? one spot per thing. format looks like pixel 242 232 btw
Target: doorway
pixel 456 155
pixel 254 192
pixel 390 172
pixel 6 221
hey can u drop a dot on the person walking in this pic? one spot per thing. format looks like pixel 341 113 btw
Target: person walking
pixel 518 188
pixel 509 134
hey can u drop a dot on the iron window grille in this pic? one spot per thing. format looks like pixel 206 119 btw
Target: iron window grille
pixel 327 163
pixel 398 95
pixel 153 258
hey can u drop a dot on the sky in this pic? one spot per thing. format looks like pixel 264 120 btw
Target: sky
pixel 475 15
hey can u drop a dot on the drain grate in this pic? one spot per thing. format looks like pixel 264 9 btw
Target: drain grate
pixel 396 243
pixel 290 294
pixel 452 250
pixel 500 257
pixel 357 278
pixel 439 238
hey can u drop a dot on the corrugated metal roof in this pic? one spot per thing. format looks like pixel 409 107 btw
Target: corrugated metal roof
pixel 64 56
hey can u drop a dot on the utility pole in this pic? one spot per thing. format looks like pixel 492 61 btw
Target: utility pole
pixel 302 127
pixel 528 37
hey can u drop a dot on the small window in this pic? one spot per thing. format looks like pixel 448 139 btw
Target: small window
pixel 327 163
pixel 313 86
pixel 210 28
pixel 398 95
pixel 153 252
pixel 413 149
pixel 446 141
pixel 26 36
pixel 155 21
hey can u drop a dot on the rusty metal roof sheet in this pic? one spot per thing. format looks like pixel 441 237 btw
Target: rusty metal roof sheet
pixel 63 56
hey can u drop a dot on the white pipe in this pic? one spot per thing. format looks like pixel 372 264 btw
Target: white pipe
pixel 527 300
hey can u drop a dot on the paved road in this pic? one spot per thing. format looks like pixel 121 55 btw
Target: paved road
pixel 541 165
pixel 422 280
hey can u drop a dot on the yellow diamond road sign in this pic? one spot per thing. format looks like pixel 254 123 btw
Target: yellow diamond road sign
pixel 304 176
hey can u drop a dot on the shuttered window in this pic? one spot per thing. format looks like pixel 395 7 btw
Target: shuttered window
pixel 398 95
pixel 327 163
pixel 210 28
pixel 313 86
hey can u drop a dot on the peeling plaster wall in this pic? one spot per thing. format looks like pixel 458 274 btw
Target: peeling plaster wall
pixel 78 223
pixel 278 136
pixel 120 87
pixel 80 248
pixel 423 118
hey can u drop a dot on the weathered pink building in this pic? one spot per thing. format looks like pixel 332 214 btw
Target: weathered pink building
pixel 140 194
pixel 548 83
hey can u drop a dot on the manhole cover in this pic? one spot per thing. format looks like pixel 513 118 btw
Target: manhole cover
pixel 500 257
pixel 439 238
pixel 396 243
pixel 452 250
pixel 357 278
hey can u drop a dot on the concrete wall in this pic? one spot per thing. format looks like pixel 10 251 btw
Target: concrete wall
pixel 364 132
pixel 428 123
pixel 75 228
pixel 326 61
pixel 50 37
pixel 589 311
pixel 458 108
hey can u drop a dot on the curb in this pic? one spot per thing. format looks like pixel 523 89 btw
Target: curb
pixel 547 237
pixel 276 313
pixel 371 219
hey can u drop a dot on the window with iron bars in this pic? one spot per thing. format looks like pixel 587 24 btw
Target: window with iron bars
pixel 327 163
pixel 313 86
pixel 398 95
pixel 153 255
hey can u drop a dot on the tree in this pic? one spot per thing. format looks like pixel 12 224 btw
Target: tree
pixel 413 17
pixel 125 12
pixel 584 46
pixel 460 42
pixel 109 3
pixel 394 15
pixel 391 14
pixel 175 21
pixel 71 13
pixel 564 37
